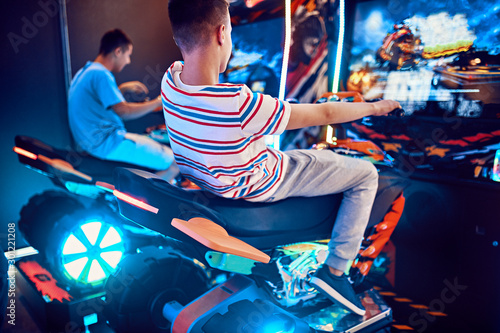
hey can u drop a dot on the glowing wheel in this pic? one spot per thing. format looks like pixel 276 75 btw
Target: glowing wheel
pixel 91 252
pixel 86 246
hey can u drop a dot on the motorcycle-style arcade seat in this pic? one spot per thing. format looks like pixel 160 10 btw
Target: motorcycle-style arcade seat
pixel 99 170
pixel 263 225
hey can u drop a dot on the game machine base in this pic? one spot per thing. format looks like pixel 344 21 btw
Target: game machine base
pixel 55 306
pixel 237 301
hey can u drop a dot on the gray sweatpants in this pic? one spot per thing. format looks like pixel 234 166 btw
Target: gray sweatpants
pixel 320 172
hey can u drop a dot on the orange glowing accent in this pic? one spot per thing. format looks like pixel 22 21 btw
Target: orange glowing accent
pixel 44 281
pixel 391 146
pixel 441 152
pixel 133 201
pixel 437 314
pixel 26 153
pixel 252 3
pixel 402 300
pixel 105 186
pixel 387 293
pixel 56 163
pixel 403 327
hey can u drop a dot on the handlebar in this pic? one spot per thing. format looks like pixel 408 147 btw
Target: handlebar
pixel 356 97
pixel 399 112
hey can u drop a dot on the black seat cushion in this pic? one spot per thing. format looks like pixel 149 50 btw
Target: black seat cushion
pixel 263 225
pixel 260 224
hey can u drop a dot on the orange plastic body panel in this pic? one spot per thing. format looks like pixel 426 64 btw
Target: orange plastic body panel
pixel 63 166
pixel 195 309
pixel 216 238
pixel 381 236
pixel 367 147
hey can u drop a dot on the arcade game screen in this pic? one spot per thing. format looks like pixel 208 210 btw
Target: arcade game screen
pixel 258 47
pixel 416 52
pixel 441 61
pixel 257 58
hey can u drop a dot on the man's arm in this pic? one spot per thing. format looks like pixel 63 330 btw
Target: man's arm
pixel 134 86
pixel 129 111
pixel 305 115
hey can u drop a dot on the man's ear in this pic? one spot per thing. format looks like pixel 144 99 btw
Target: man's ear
pixel 221 34
pixel 118 51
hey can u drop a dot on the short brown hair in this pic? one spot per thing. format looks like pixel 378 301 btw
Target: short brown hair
pixel 192 20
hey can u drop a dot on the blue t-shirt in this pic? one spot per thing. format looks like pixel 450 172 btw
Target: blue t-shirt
pixel 96 128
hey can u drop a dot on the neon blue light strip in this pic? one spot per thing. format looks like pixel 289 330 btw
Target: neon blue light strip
pixel 340 47
pixel 274 141
pixel 286 51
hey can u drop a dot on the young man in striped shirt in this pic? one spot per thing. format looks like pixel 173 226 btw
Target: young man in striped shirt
pixel 217 135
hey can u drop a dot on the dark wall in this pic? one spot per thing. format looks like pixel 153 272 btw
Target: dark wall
pixel 33 97
pixel 32 75
pixel 146 23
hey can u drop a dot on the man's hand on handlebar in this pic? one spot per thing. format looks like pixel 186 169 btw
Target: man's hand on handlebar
pixel 385 107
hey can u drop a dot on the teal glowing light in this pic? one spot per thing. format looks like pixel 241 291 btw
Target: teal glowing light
pixel 276 326
pixel 91 252
pixel 496 167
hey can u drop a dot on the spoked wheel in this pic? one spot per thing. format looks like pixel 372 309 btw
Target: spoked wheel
pixel 144 282
pixel 86 247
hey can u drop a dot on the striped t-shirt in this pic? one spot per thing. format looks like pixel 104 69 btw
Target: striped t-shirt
pixel 217 135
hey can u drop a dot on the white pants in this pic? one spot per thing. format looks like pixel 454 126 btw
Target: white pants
pixel 142 151
pixel 321 172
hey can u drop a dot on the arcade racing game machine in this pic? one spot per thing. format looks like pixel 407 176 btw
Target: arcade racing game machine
pixel 258 60
pixel 442 63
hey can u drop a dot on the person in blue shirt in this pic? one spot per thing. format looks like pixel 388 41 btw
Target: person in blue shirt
pixel 97 109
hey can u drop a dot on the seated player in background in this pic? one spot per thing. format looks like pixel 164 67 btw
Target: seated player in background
pixel 97 108
pixel 217 135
